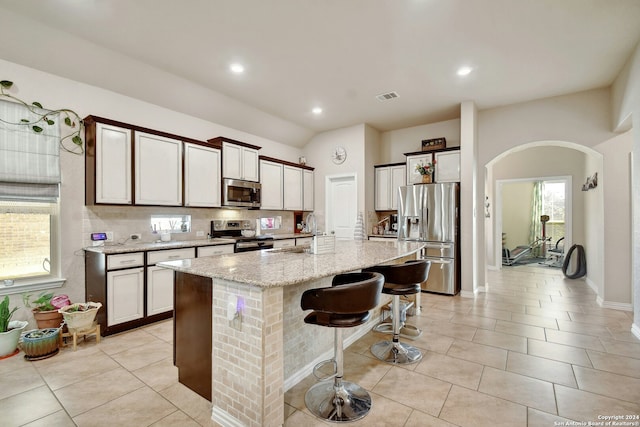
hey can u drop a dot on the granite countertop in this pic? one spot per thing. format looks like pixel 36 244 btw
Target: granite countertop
pixel 175 244
pixel 283 267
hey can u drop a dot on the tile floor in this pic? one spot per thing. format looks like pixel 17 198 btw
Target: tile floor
pixel 535 350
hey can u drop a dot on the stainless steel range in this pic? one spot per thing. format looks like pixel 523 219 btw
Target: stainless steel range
pixel 233 229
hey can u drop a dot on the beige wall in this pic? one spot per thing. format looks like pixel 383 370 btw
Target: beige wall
pixel 393 144
pixel 77 220
pixel 516 214
pixel 626 107
pixel 318 152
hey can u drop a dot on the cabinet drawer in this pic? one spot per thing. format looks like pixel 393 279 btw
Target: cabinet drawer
pixel 287 243
pixel 214 250
pixel 135 259
pixel 304 241
pixel 170 255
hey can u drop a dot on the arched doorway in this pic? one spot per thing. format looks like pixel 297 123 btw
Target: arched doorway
pixel 539 160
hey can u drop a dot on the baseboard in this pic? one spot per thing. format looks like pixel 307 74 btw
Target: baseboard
pixel 592 285
pixel 614 305
pixel 224 419
pixel 467 294
pixel 635 330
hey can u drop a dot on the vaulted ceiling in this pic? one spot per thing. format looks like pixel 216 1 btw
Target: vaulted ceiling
pixel 334 54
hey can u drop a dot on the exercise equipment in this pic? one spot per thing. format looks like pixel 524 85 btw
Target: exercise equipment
pixel 523 254
pixel 581 263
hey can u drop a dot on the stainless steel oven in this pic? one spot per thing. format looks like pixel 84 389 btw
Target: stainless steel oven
pixel 239 193
pixel 232 229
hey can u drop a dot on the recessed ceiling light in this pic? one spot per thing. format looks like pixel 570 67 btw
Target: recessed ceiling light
pixel 237 68
pixel 464 71
pixel 316 110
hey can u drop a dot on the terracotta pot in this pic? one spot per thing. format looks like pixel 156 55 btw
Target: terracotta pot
pixel 426 179
pixel 47 319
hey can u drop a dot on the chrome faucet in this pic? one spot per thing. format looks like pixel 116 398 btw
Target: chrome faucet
pixel 312 224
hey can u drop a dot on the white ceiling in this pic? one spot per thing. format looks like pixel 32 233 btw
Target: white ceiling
pixel 336 54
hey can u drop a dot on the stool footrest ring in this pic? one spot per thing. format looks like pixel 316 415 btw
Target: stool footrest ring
pixel 321 365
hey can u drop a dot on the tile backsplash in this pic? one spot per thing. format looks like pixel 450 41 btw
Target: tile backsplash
pixel 126 220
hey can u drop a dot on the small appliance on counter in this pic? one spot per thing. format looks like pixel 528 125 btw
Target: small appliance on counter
pixel 393 220
pixel 323 244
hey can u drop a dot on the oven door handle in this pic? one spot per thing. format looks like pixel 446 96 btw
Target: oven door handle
pixel 247 245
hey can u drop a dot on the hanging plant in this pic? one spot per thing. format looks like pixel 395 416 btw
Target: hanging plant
pixel 45 117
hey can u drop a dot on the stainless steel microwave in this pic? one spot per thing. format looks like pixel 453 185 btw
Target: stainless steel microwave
pixel 239 193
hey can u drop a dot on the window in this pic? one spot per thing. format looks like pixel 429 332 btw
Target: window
pixel 171 223
pixel 29 211
pixel 29 250
pixel 553 204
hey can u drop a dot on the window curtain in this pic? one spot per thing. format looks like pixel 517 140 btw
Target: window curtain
pixel 29 161
pixel 535 229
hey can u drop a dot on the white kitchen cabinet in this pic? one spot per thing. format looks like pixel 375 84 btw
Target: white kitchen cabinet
pixel 271 178
pixel 112 164
pixel 387 181
pixel 293 188
pixel 413 177
pixel 159 290
pixel 303 241
pixel 308 190
pixel 284 243
pixel 202 176
pixel 239 162
pixel 158 170
pixel 125 290
pixel 160 280
pixel 215 250
pixel 448 166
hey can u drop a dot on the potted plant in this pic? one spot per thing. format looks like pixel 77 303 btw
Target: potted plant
pixel 39 344
pixel 45 309
pixel 426 171
pixel 79 316
pixel 9 331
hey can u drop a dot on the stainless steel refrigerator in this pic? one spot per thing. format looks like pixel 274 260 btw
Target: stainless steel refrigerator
pixel 430 213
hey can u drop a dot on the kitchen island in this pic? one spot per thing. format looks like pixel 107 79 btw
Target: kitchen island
pixel 239 336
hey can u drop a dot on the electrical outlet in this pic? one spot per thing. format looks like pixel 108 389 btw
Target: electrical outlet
pixel 109 236
pixel 135 236
pixel 199 233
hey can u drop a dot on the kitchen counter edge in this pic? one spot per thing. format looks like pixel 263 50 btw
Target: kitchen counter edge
pixel 175 244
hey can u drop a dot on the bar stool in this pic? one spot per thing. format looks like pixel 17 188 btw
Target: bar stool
pixel 400 279
pixel 343 305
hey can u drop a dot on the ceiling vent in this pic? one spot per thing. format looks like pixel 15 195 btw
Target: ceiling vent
pixel 387 96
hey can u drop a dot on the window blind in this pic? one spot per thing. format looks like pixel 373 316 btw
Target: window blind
pixel 29 161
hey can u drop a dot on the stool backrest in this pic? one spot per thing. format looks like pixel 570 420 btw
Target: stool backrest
pixel 413 271
pixel 349 293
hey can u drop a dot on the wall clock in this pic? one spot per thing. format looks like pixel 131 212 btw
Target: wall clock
pixel 339 155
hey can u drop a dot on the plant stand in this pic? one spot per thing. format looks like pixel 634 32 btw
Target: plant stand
pixel 75 333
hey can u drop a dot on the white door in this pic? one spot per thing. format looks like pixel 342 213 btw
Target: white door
pixel 342 205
